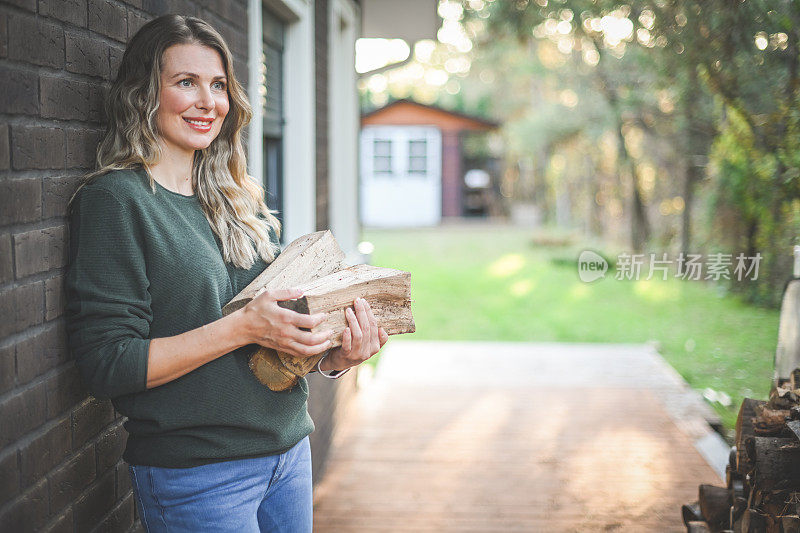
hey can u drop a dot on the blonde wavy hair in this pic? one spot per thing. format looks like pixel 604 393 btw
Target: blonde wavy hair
pixel 230 198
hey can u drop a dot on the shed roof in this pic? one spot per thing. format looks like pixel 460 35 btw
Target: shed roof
pixel 407 112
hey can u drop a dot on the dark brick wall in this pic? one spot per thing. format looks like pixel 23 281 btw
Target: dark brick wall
pixel 60 467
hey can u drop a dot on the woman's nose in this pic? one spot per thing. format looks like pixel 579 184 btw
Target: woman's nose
pixel 205 100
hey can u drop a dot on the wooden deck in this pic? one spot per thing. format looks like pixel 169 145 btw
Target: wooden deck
pixel 439 440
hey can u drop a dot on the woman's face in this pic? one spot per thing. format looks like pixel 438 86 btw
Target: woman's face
pixel 193 100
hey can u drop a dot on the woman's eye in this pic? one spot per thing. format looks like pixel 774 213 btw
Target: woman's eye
pixel 219 85
pixel 185 83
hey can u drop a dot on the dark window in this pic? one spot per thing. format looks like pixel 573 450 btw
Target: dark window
pixel 271 92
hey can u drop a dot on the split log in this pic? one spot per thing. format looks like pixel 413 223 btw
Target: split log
pixel 753 522
pixel 386 290
pixel 715 505
pixel 768 421
pixel 305 259
pixel 794 427
pixel 744 430
pixel 776 463
pixel 691 513
pixel 737 509
pixel 697 527
pixel 782 397
pixel 789 523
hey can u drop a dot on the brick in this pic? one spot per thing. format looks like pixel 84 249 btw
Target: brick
pixel 29 512
pixel 54 298
pixel 229 10
pixel 21 307
pixel 7 371
pixel 3 35
pixel 65 99
pixel 38 354
pixel 30 5
pixel 69 480
pixel 123 478
pixel 135 22
pixel 63 523
pixel 89 419
pixel 49 39
pixel 82 148
pixel 86 55
pixel 114 59
pixel 9 475
pixel 162 7
pixel 109 448
pixel 57 192
pixel 20 201
pixel 44 452
pixel 21 413
pixel 109 19
pixel 6 260
pixel 72 11
pixel 120 519
pixel 64 391
pixel 40 250
pixel 5 153
pixel 37 147
pixel 20 89
pixel 90 508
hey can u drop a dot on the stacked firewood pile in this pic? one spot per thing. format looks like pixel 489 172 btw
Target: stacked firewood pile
pixel 763 474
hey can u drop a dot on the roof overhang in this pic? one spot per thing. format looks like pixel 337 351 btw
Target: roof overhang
pixel 410 20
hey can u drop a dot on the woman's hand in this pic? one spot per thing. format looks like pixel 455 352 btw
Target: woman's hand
pixel 265 323
pixel 360 340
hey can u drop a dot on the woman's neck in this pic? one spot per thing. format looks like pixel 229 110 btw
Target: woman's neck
pixel 174 171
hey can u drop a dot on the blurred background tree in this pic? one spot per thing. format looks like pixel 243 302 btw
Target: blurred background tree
pixel 661 125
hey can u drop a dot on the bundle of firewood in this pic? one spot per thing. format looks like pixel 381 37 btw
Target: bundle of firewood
pixel 763 474
pixel 315 264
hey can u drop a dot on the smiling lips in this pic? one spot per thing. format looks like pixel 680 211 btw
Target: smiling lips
pixel 203 125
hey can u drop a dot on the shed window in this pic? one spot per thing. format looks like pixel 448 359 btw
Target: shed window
pixel 382 156
pixel 417 156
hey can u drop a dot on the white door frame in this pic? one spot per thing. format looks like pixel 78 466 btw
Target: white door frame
pixel 299 140
pixel 343 126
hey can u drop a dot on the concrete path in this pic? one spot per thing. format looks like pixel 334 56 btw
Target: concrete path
pixel 518 437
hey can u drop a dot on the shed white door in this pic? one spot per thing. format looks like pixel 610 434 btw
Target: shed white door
pixel 401 176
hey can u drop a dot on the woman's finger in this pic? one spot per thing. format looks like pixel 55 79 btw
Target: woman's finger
pixel 355 330
pixel 347 341
pixel 304 350
pixel 305 321
pixel 280 295
pixel 373 330
pixel 310 339
pixel 383 336
pixel 363 323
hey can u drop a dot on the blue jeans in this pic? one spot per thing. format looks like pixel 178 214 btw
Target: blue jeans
pixel 270 493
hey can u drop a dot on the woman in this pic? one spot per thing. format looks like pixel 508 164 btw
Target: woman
pixel 166 232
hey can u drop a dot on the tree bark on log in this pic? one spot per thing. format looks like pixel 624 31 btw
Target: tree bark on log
pixel 744 430
pixel 776 463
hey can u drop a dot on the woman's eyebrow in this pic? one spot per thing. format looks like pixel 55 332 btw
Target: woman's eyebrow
pixel 193 75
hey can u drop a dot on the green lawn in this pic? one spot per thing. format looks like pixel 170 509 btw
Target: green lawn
pixel 478 282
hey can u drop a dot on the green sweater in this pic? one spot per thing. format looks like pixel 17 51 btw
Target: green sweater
pixel 145 265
